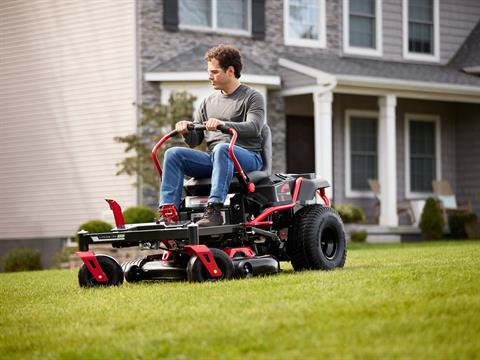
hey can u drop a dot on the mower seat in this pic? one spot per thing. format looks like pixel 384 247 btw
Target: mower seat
pixel 201 186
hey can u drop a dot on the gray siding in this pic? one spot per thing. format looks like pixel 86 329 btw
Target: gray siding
pixel 457 19
pixel 301 105
pixel 468 154
pixel 293 79
pixel 392 30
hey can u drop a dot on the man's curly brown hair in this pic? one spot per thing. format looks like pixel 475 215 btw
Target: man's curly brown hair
pixel 226 55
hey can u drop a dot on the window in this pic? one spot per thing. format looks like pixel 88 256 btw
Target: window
pixel 362 28
pixel 423 153
pixel 195 13
pixel 421 34
pixel 230 16
pixel 361 151
pixel 305 23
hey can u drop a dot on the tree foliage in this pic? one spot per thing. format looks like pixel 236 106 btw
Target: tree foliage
pixel 156 120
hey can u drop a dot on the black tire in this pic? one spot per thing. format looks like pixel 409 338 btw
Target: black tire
pixel 197 272
pixel 109 266
pixel 318 240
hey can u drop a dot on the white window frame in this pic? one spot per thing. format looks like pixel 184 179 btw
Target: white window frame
pixel 322 26
pixel 435 57
pixel 409 194
pixel 378 50
pixel 349 113
pixel 215 28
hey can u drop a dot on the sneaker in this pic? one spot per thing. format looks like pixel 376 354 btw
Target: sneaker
pixel 211 216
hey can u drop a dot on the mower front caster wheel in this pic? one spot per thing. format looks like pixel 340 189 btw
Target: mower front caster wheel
pixel 197 272
pixel 110 267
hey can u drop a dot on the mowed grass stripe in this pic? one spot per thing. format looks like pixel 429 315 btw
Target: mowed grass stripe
pixel 404 300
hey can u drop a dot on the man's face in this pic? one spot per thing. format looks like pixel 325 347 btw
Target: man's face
pixel 219 78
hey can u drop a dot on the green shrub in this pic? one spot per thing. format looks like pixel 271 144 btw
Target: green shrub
pixel 63 256
pixel 139 214
pixel 94 226
pixel 350 213
pixel 472 228
pixel 358 236
pixel 431 221
pixel 22 259
pixel 457 222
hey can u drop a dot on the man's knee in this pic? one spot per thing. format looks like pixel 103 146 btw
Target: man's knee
pixel 172 153
pixel 221 148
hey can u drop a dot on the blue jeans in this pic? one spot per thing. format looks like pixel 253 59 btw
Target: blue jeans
pixel 181 161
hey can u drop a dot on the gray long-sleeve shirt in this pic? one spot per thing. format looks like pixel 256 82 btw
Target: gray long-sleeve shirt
pixel 243 110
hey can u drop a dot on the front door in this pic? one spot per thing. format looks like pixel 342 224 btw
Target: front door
pixel 300 144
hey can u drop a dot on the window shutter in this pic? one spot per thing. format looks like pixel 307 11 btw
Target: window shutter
pixel 258 19
pixel 170 15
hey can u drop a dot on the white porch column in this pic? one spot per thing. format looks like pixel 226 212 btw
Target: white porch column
pixel 387 160
pixel 323 137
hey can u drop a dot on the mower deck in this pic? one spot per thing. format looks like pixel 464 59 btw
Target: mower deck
pixel 148 233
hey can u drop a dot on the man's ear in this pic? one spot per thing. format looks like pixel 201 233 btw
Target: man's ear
pixel 231 70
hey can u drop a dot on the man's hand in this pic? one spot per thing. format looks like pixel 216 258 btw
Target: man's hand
pixel 181 126
pixel 213 123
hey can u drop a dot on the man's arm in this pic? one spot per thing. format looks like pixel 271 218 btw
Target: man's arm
pixel 255 117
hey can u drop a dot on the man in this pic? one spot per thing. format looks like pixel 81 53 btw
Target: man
pixel 235 105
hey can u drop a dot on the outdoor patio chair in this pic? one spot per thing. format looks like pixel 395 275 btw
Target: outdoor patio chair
pixel 448 201
pixel 402 207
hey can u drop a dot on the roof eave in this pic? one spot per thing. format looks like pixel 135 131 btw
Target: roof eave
pixel 474 70
pixel 407 88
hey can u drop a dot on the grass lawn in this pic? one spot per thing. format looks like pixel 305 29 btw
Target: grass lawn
pixel 417 301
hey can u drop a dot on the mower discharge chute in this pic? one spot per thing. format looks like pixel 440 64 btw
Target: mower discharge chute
pixel 267 219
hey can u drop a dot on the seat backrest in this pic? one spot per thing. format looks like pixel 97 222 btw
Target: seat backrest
pixel 374 186
pixel 267 149
pixel 442 187
pixel 443 192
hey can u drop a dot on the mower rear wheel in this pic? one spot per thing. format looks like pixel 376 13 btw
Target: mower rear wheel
pixel 317 241
pixel 197 272
pixel 110 267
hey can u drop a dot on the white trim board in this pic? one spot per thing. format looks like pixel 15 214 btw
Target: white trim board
pixel 472 70
pixel 270 80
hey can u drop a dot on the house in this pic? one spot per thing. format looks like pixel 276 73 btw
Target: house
pixel 67 84
pixel 355 89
